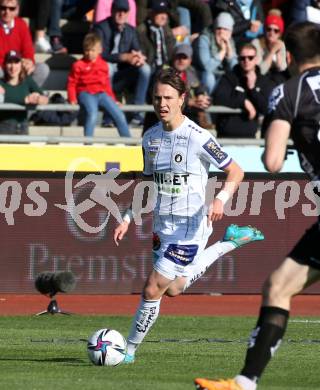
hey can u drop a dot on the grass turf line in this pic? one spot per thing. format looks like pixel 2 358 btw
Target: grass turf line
pixel 46 352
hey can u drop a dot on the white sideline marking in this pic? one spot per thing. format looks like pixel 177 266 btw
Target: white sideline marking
pixel 306 321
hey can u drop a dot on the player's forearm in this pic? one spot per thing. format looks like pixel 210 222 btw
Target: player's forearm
pixel 234 177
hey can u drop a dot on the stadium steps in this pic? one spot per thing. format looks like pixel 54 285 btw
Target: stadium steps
pixel 60 65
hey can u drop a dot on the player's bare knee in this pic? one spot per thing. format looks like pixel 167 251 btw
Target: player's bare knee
pixel 151 292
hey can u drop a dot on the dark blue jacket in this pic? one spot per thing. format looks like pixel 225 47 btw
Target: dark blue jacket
pixel 128 41
pixel 298 10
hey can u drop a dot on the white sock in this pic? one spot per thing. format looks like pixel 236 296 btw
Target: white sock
pixel 245 382
pixel 207 258
pixel 145 317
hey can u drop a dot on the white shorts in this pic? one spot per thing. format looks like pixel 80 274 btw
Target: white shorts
pixel 174 258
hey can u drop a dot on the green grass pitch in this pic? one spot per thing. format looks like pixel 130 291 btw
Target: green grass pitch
pixel 49 353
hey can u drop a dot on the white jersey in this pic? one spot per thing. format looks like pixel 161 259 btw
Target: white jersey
pixel 179 161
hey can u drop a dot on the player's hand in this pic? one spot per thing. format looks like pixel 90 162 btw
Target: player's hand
pixel 120 231
pixel 216 211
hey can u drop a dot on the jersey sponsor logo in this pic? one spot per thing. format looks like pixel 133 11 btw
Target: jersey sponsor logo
pixel 152 151
pixel 154 142
pixel 181 254
pixel 276 95
pixel 166 142
pixel 214 150
pixel 170 183
pixel 181 140
pixel 178 158
pixel 147 319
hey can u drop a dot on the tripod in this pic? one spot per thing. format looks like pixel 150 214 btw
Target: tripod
pixel 53 308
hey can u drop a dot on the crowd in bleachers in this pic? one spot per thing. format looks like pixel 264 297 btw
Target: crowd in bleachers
pixel 230 53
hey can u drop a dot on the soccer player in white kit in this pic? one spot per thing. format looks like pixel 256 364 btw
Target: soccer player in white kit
pixel 177 154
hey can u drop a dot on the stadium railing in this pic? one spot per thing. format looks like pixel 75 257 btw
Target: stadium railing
pixel 111 140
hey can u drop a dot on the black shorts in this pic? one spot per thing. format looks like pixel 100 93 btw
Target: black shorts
pixel 307 250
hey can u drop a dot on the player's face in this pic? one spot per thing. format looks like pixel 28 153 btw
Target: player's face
pixel 167 103
pixel 8 10
pixel 93 52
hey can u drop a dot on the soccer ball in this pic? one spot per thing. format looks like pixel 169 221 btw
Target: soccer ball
pixel 107 347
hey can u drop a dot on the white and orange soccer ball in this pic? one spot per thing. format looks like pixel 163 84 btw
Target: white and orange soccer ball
pixel 106 347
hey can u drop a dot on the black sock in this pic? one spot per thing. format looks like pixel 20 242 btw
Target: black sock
pixel 264 340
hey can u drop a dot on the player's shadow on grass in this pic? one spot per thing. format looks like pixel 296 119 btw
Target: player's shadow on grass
pixel 74 361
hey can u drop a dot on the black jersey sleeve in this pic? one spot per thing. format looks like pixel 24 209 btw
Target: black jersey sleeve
pixel 280 104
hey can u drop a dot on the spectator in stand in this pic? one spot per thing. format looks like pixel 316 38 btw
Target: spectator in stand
pixel 121 49
pixel 244 88
pixel 181 24
pixel 248 18
pixel 15 35
pixel 271 50
pixel 198 100
pixel 19 88
pixel 214 51
pixel 156 37
pixel 305 10
pixel 38 12
pixel 68 9
pixel 103 11
pixel 89 84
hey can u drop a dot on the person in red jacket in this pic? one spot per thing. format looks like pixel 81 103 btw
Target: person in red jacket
pixel 89 85
pixel 15 35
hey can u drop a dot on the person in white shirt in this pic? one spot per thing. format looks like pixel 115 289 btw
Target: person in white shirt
pixel 178 153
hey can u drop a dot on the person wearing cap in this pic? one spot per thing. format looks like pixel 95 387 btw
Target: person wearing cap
pixel 198 100
pixel 180 12
pixel 214 51
pixel 271 50
pixel 122 50
pixel 248 18
pixel 156 37
pixel 19 88
pixel 15 35
pixel 103 10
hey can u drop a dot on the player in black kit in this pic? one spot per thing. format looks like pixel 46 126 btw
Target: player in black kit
pixel 295 112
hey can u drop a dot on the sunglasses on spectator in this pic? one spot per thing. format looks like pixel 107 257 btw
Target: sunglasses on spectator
pixel 5 8
pixel 272 29
pixel 243 58
pixel 181 57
